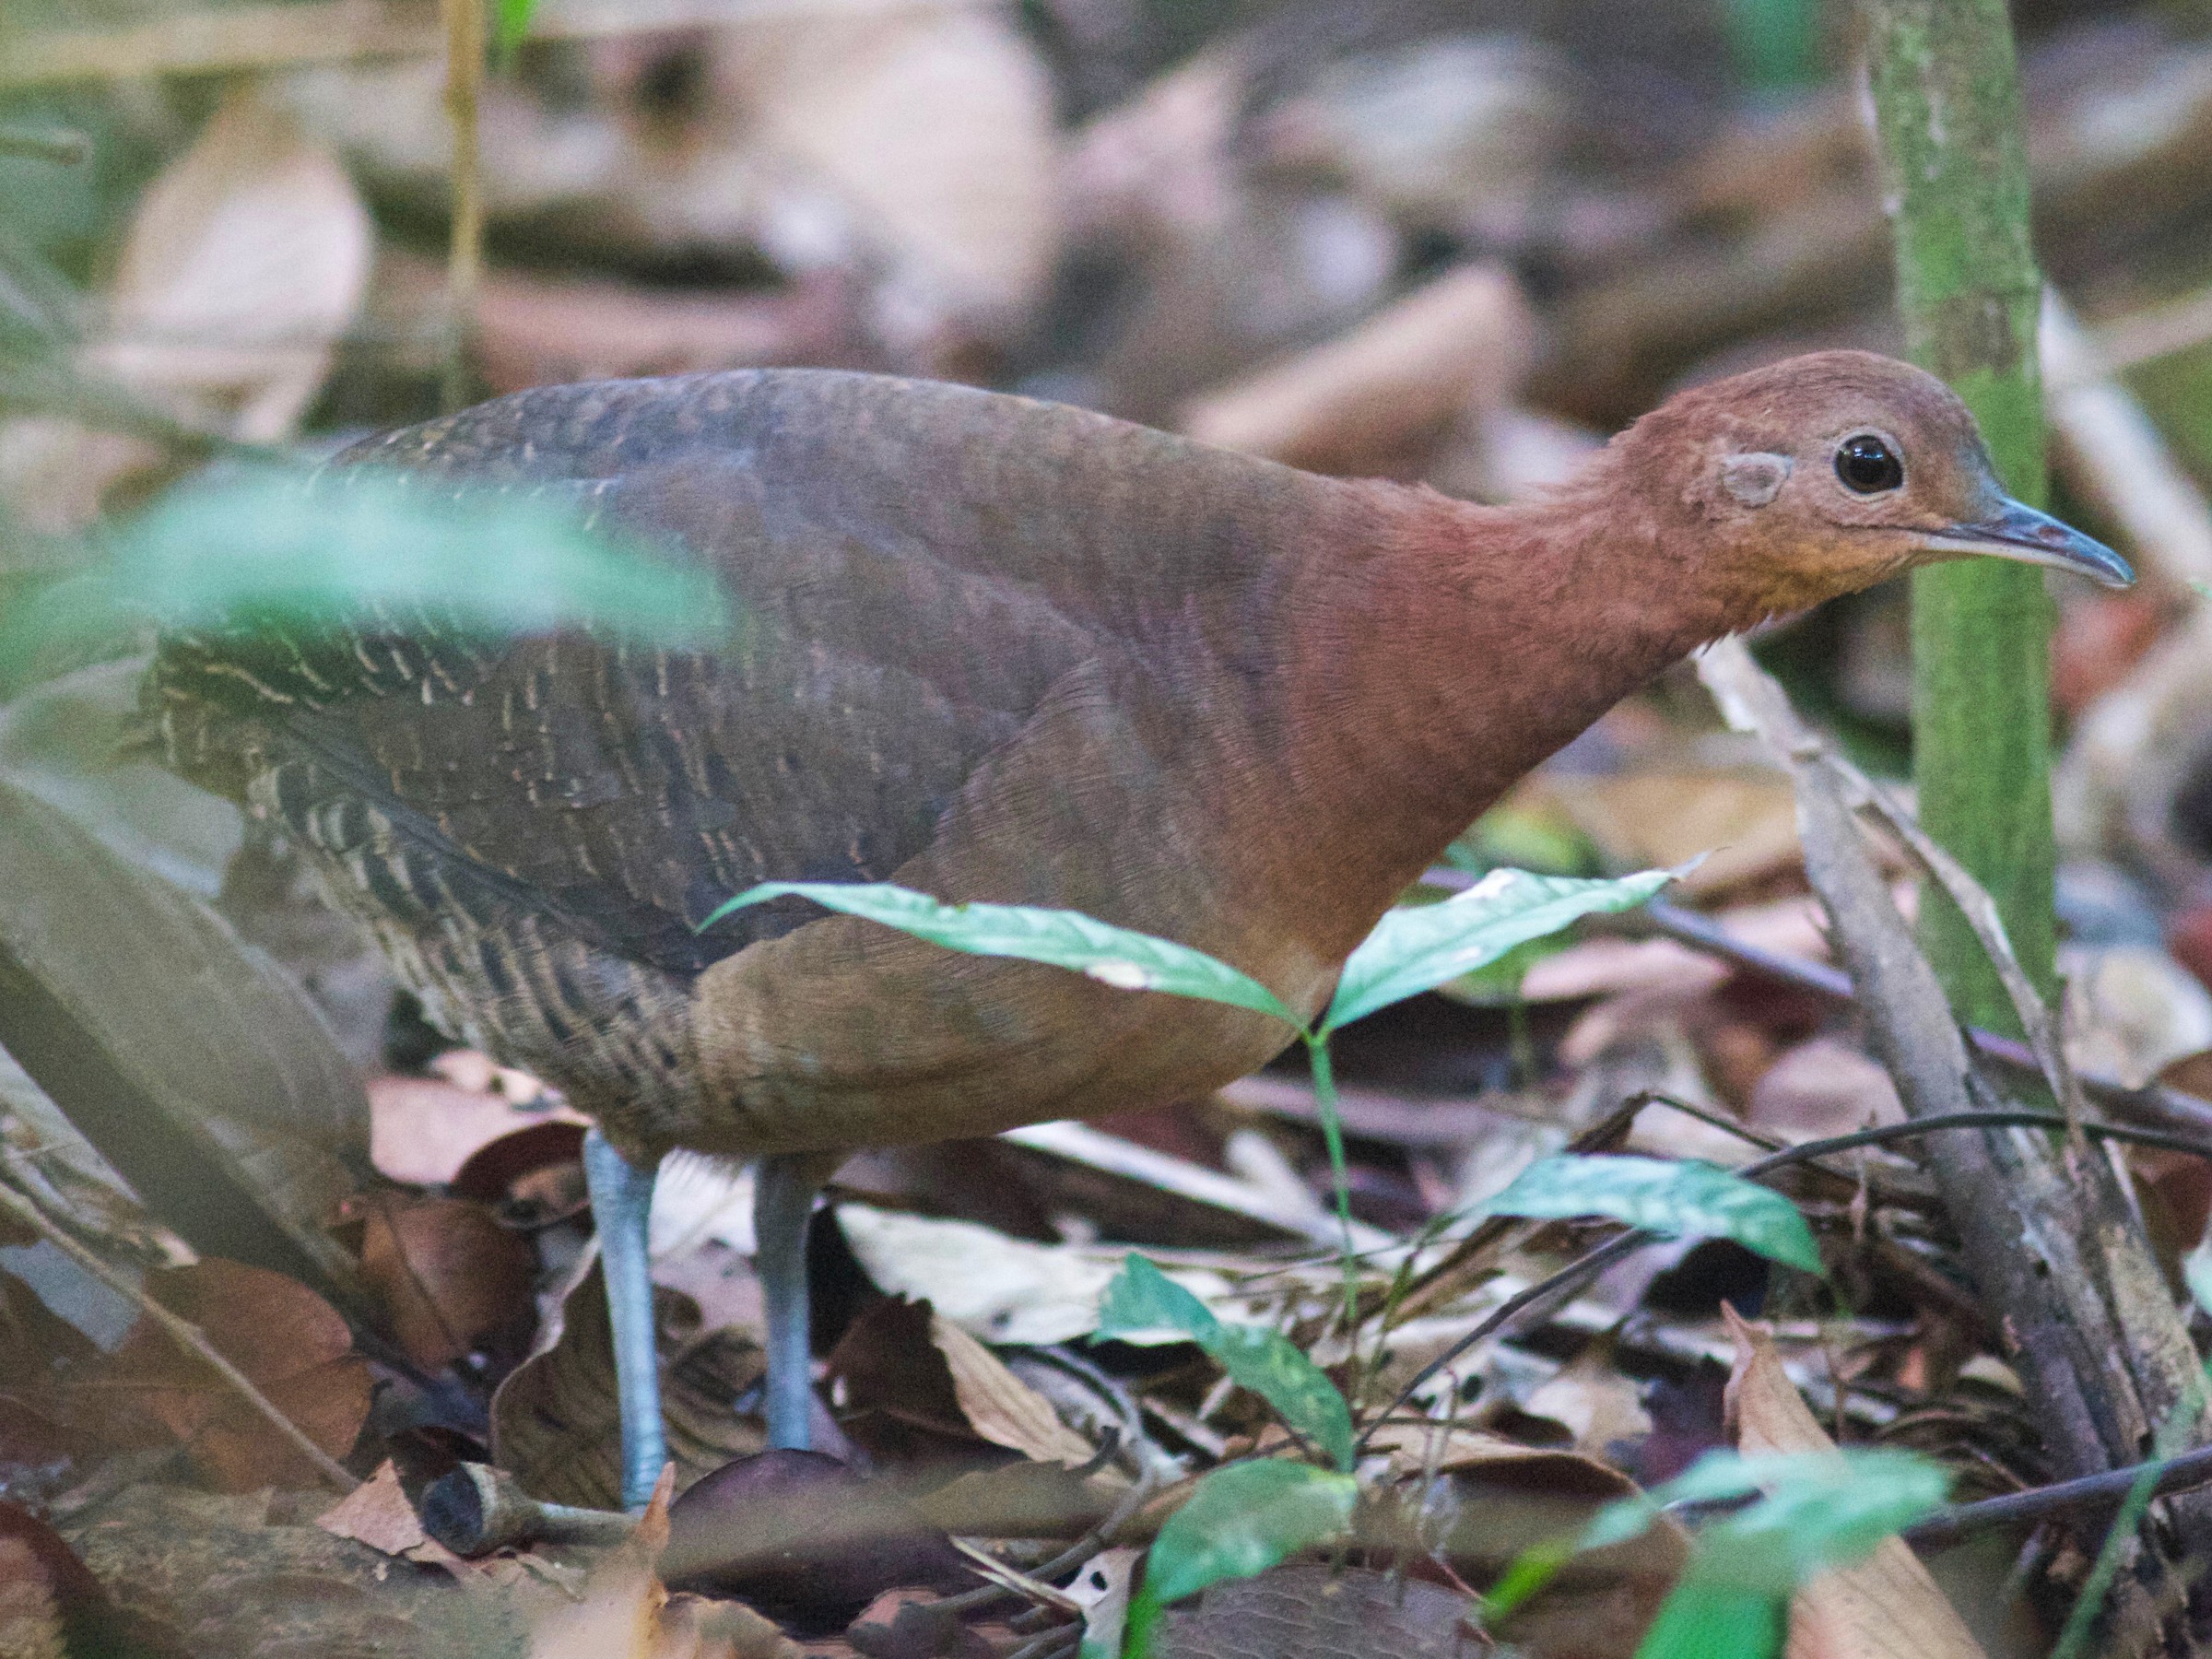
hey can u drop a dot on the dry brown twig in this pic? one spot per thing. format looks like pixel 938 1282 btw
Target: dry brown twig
pixel 2052 1242
pixel 186 1334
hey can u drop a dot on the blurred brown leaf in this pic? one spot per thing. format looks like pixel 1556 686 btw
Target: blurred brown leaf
pixel 1377 399
pixel 290 1343
pixel 447 1273
pixel 245 260
pixel 1887 1606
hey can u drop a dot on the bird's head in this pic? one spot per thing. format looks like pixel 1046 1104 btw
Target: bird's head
pixel 1825 474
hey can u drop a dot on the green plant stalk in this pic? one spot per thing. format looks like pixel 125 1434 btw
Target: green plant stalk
pixel 1955 174
pixel 1331 1135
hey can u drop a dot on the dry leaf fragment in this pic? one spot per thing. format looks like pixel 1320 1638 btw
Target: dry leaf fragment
pixel 291 1343
pixel 376 1513
pixel 999 1406
pixel 1887 1606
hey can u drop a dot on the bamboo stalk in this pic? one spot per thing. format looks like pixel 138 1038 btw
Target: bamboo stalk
pixel 1954 164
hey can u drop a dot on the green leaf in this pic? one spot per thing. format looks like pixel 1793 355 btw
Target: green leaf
pixel 1819 1511
pixel 1113 956
pixel 1700 1620
pixel 1419 946
pixel 1141 1299
pixel 511 22
pixel 1662 1196
pixel 374 547
pixel 1243 1520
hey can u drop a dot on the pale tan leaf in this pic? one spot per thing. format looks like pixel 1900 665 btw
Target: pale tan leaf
pixel 245 260
pixel 923 142
pixel 376 1513
pixel 1373 398
pixel 999 1406
pixel 1886 1607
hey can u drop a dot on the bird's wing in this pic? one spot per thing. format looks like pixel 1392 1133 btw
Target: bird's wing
pixel 912 568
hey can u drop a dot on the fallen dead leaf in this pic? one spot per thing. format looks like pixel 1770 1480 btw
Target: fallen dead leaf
pixel 1375 398
pixel 999 1406
pixel 423 1130
pixel 290 1342
pixel 447 1273
pixel 376 1513
pixel 1887 1606
pixel 245 260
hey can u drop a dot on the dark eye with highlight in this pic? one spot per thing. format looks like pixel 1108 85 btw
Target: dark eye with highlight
pixel 1867 464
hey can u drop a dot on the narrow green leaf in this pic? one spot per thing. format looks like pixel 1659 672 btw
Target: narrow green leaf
pixel 1675 1198
pixel 511 22
pixel 1419 946
pixel 1141 1299
pixel 1113 956
pixel 372 547
pixel 1243 1520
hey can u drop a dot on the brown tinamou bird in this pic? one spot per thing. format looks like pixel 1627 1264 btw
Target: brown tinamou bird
pixel 998 650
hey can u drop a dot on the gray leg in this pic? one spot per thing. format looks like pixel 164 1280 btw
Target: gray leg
pixel 622 1206
pixel 784 1192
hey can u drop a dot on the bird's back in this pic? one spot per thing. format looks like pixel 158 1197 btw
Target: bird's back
pixel 922 577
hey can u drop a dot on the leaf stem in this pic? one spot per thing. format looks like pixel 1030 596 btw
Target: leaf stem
pixel 1332 1134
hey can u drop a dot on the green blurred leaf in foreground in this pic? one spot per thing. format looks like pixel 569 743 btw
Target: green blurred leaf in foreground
pixel 1678 1198
pixel 371 548
pixel 1143 1299
pixel 1238 1521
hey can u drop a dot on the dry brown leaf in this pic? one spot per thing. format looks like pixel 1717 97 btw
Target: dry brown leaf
pixel 919 144
pixel 245 260
pixel 999 1406
pixel 1300 1611
pixel 447 1272
pixel 1372 399
pixel 1886 1607
pixel 290 1343
pixel 376 1513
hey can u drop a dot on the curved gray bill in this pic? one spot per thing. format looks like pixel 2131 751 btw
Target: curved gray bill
pixel 2016 531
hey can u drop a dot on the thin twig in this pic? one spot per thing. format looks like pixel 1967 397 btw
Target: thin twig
pixel 1583 1268
pixel 186 1334
pixel 2103 1490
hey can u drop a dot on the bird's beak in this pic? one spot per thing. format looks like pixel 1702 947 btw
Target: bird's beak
pixel 2018 532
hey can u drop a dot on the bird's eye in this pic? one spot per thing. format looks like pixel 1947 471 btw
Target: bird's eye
pixel 1867 464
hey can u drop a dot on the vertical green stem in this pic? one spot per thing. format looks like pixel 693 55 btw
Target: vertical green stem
pixel 1331 1135
pixel 1955 175
pixel 465 45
